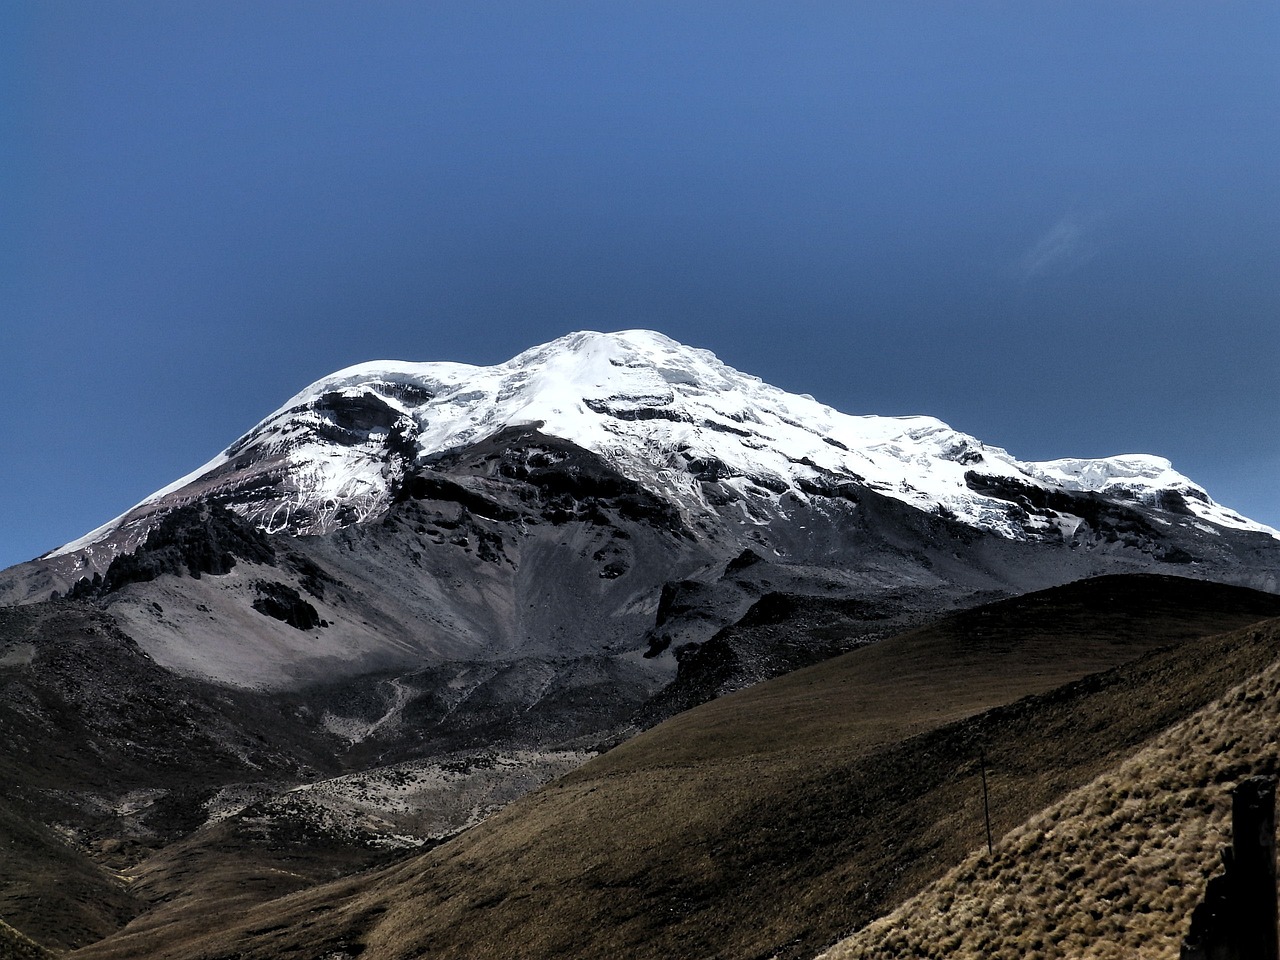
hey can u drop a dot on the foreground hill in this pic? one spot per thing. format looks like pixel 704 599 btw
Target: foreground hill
pixel 1115 868
pixel 768 822
pixel 14 946
pixel 106 755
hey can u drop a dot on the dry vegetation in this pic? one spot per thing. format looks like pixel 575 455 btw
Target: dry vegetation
pixel 1114 869
pixel 14 946
pixel 767 822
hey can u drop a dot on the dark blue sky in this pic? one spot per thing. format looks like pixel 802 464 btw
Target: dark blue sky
pixel 1055 225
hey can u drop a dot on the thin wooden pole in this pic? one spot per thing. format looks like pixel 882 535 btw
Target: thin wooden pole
pixel 986 807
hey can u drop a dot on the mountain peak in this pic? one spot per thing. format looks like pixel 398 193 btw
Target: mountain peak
pixel 673 418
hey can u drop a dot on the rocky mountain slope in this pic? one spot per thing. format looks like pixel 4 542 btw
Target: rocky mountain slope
pixel 574 501
pixel 418 591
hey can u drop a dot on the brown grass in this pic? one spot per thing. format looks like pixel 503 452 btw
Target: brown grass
pixel 1113 869
pixel 766 822
pixel 15 946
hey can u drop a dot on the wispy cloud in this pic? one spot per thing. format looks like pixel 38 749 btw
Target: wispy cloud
pixel 1069 243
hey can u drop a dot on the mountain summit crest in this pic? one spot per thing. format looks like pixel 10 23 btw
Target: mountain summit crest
pixel 673 418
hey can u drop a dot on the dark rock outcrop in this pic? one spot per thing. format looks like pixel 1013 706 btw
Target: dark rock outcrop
pixel 281 602
pixel 195 540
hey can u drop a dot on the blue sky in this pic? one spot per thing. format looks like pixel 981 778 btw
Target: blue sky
pixel 1056 225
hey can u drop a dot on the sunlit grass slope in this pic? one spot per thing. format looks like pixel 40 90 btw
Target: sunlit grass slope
pixel 1115 868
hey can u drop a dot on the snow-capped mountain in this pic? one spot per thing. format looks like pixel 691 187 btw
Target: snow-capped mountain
pixel 483 574
pixel 687 427
pixel 600 495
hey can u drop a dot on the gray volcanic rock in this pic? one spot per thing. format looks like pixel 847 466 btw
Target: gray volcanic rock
pixel 615 495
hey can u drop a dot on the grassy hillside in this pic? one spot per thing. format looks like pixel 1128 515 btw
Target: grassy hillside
pixel 54 892
pixel 1115 868
pixel 770 821
pixel 14 946
pixel 105 756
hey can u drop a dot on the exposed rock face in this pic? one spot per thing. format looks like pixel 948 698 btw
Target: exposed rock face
pixel 1101 519
pixel 203 538
pixel 283 603
pixel 524 544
